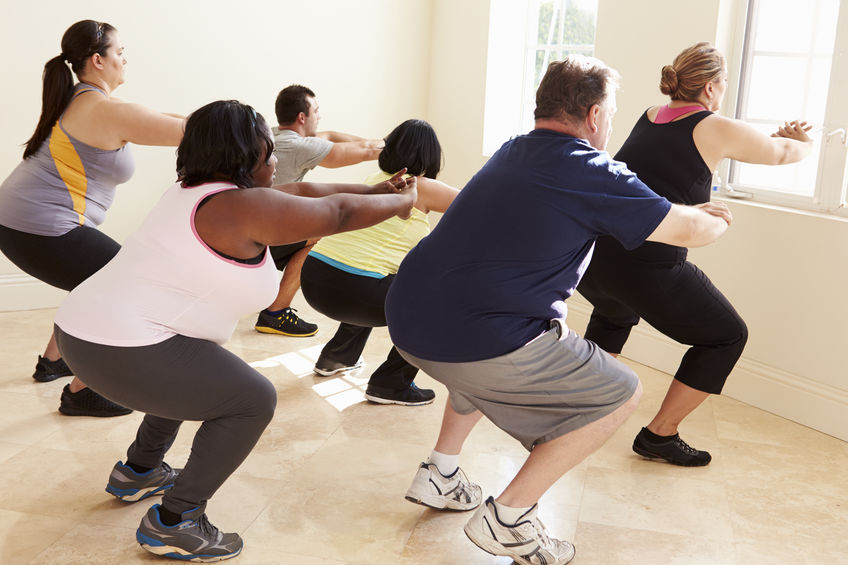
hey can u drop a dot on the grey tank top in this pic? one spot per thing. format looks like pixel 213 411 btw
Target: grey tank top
pixel 63 185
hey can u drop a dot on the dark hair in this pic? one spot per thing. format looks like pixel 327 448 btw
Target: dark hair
pixel 291 101
pixel 572 86
pixel 81 41
pixel 414 145
pixel 694 67
pixel 223 140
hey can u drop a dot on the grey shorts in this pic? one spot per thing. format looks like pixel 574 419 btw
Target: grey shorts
pixel 543 390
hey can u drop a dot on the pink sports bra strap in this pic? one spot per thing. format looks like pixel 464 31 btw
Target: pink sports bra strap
pixel 666 114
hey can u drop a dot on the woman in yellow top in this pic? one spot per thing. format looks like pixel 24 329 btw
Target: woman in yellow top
pixel 347 275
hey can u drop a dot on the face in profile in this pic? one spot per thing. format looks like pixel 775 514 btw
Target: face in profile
pixel 719 88
pixel 113 61
pixel 263 171
pixel 311 127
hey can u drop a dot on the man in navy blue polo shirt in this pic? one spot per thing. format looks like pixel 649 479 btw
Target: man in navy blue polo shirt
pixel 480 305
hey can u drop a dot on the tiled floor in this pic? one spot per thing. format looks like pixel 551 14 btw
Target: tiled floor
pixel 326 482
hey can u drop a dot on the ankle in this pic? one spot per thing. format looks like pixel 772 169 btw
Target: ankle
pixel 511 515
pixel 168 517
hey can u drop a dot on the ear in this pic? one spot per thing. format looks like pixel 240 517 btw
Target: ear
pixel 593 118
pixel 96 61
pixel 301 118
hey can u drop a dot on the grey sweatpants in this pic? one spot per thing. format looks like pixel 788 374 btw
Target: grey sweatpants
pixel 180 379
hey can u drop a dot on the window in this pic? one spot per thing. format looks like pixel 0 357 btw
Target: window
pixel 790 75
pixel 524 36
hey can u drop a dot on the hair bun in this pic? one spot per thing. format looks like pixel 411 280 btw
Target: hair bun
pixel 668 81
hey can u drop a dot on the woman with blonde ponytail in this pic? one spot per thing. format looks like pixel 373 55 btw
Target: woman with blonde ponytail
pixel 674 148
pixel 53 201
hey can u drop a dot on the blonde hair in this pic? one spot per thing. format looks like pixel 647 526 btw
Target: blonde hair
pixel 694 67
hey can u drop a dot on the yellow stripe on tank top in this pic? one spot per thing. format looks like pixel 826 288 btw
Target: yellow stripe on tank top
pixel 70 168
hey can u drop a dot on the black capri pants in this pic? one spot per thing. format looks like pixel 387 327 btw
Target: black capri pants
pixel 656 283
pixel 359 303
pixel 63 261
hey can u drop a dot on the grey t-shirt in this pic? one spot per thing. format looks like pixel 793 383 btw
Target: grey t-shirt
pixel 297 154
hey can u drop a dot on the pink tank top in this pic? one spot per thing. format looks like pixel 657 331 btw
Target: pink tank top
pixel 666 114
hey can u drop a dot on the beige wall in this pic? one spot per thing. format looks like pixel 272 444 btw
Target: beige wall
pixel 377 62
pixel 368 61
pixel 786 272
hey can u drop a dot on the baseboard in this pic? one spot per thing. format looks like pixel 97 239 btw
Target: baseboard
pixel 22 292
pixel 794 397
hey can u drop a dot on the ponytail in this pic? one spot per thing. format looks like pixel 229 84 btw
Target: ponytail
pixel 80 41
pixel 55 97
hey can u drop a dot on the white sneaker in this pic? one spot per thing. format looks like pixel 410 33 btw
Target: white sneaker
pixel 526 541
pixel 454 492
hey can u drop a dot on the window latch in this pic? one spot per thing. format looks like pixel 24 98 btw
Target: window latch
pixel 843 135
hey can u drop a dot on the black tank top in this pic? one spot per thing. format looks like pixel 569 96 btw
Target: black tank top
pixel 665 158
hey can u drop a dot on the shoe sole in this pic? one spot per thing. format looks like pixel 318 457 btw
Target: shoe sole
pixel 379 400
pixel 76 412
pixel 182 555
pixel 324 373
pixel 50 378
pixel 654 457
pixel 439 502
pixel 134 495
pixel 264 330
pixel 492 547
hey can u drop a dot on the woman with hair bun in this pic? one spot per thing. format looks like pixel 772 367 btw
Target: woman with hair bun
pixel 53 201
pixel 674 149
pixel 347 276
pixel 147 329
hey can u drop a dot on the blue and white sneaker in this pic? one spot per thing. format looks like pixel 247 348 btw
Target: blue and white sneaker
pixel 193 539
pixel 129 486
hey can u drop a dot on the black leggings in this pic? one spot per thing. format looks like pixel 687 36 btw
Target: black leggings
pixel 358 302
pixel 63 261
pixel 675 297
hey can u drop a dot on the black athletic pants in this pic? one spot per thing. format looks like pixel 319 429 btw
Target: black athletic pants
pixel 358 302
pixel 657 284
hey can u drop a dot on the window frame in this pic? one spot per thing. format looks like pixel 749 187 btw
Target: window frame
pixel 829 195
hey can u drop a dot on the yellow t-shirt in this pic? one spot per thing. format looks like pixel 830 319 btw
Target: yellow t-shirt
pixel 375 251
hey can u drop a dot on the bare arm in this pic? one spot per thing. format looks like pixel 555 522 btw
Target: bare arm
pixel 352 152
pixel 241 222
pixel 138 124
pixel 338 137
pixel 718 137
pixel 317 190
pixel 693 226
pixel 433 195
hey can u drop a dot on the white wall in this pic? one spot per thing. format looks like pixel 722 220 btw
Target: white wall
pixel 368 62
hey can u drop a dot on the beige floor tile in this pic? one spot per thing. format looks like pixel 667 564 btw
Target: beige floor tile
pixel 25 535
pixel 598 544
pixel 659 503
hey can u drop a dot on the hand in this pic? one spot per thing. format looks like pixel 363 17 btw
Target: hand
pixel 411 192
pixel 394 185
pixel 719 209
pixel 794 130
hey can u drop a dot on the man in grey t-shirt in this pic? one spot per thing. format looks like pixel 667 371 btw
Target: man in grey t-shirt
pixel 300 147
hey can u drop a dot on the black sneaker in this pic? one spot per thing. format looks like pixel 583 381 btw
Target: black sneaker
pixel 287 323
pixel 88 403
pixel 672 450
pixel 411 396
pixel 328 368
pixel 47 370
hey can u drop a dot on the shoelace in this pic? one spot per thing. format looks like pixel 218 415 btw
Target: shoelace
pixel 463 488
pixel 685 447
pixel 206 526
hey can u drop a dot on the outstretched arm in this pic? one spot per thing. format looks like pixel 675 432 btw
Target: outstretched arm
pixel 352 152
pixel 141 125
pixel 693 226
pixel 317 190
pixel 241 222
pixel 724 137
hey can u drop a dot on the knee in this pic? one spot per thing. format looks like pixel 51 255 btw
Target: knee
pixel 634 399
pixel 263 401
